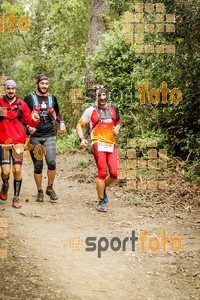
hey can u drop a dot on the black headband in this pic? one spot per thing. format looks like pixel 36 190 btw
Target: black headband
pixel 41 77
pixel 102 91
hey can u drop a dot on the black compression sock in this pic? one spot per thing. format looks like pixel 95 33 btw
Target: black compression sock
pixel 17 186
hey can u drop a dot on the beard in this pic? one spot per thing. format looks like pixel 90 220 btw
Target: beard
pixel 42 92
pixel 9 97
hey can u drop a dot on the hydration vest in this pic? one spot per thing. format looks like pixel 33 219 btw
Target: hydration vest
pixel 104 114
pixel 43 113
pixel 36 102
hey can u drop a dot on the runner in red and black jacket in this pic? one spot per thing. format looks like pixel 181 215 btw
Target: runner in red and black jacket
pixel 14 113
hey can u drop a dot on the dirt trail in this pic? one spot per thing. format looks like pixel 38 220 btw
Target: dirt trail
pixel 42 264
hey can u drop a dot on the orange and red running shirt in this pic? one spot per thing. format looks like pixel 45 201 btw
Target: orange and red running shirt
pixel 101 123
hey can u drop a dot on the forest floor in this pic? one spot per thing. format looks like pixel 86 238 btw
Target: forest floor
pixel 48 246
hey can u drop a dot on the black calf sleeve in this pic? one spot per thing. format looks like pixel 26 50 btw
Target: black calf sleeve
pixel 17 186
pixel 5 181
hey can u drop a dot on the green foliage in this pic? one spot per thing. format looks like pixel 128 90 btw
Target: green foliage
pixel 116 65
pixel 192 170
pixel 136 201
pixel 67 143
pixel 54 44
pixel 83 162
pixel 12 43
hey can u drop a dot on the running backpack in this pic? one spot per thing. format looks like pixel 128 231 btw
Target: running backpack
pixel 104 114
pixel 36 102
pixel 16 108
pixel 44 113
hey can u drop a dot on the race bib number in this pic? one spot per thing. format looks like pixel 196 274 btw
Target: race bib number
pixel 105 147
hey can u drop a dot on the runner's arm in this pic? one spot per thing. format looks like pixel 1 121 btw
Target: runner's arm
pixel 116 126
pixel 62 127
pixel 116 129
pixel 84 120
pixel 79 131
pixel 28 118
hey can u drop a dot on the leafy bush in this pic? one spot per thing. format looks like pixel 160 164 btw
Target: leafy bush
pixel 67 143
pixel 116 65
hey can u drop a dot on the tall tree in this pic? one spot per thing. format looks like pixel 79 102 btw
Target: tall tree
pixel 97 26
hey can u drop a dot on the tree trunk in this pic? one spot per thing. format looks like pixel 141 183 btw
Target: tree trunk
pixel 97 27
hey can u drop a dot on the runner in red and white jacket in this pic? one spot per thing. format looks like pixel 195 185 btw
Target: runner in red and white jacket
pixel 14 114
pixel 104 121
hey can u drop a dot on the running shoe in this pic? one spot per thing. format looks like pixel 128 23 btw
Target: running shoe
pixel 40 196
pixel 4 192
pixel 52 194
pixel 16 202
pixel 102 206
